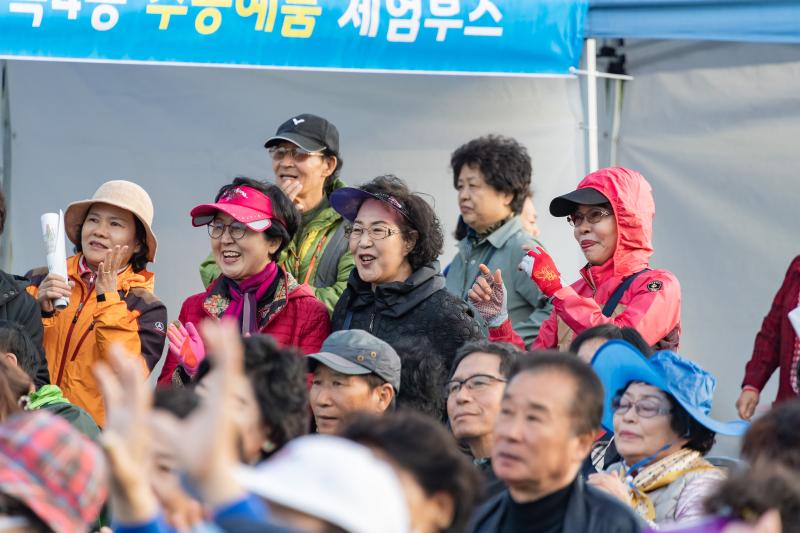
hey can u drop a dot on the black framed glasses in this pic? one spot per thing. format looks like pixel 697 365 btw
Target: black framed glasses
pixel 375 233
pixel 592 216
pixel 216 230
pixel 474 383
pixel 296 153
pixel 644 408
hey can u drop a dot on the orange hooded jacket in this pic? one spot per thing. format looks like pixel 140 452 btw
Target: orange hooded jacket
pixel 77 337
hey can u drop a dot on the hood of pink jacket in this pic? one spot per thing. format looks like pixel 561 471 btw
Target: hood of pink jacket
pixel 631 198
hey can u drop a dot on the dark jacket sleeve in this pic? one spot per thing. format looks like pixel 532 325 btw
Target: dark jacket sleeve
pixel 27 313
pixel 766 350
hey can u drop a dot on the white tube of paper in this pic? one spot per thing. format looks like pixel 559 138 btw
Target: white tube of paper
pixel 55 247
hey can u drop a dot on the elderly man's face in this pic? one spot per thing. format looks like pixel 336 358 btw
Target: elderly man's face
pixel 535 447
pixel 473 409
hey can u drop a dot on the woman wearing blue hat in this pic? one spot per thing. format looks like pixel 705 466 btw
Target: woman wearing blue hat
pixel 658 409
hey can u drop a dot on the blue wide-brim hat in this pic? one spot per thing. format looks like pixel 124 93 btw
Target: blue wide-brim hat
pixel 618 363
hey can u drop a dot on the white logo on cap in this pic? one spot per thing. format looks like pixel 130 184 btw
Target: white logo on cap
pixel 298 121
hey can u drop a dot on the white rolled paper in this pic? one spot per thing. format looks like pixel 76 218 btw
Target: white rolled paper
pixel 55 247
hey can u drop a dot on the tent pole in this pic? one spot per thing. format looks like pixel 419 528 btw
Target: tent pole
pixel 591 103
pixel 5 165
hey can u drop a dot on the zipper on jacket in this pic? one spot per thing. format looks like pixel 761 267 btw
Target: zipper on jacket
pixel 65 355
pixel 80 341
pixel 371 321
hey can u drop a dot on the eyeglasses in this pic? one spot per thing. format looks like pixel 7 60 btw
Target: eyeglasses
pixel 296 153
pixel 376 233
pixel 593 216
pixel 236 230
pixel 476 383
pixel 643 408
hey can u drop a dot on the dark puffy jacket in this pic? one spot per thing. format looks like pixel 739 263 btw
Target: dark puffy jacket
pixel 16 305
pixel 588 511
pixel 420 306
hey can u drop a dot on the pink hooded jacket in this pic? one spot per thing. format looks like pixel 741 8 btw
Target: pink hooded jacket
pixel 652 303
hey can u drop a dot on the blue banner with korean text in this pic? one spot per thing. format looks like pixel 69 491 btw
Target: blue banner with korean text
pixel 516 37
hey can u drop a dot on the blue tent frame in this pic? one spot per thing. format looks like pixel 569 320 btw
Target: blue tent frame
pixel 767 21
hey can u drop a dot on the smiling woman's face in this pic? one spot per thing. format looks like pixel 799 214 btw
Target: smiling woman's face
pixel 105 227
pixel 639 437
pixel 383 260
pixel 599 240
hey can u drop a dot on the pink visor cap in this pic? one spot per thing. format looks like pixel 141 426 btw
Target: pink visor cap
pixel 249 206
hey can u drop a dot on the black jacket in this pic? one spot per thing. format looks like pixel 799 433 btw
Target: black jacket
pixel 588 511
pixel 420 306
pixel 16 305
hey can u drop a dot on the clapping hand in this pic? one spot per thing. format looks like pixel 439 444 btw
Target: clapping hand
pixel 108 268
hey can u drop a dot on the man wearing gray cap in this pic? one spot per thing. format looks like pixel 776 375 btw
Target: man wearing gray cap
pixel 354 371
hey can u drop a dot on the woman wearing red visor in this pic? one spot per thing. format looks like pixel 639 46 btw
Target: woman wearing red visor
pixel 249 225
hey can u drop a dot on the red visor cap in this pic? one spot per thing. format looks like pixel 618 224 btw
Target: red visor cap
pixel 249 206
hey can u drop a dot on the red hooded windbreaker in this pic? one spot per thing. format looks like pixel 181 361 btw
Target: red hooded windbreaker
pixel 652 303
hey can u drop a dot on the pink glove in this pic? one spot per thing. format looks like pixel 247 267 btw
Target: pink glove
pixel 542 270
pixel 186 345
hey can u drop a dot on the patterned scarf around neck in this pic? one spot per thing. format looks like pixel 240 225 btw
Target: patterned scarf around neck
pixel 660 474
pixel 245 295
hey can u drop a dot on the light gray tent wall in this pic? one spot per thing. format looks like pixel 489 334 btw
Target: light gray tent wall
pixel 715 127
pixel 182 132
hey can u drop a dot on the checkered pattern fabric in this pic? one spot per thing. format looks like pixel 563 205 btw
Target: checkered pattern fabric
pixel 53 469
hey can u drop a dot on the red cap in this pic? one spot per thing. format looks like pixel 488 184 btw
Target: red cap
pixel 249 206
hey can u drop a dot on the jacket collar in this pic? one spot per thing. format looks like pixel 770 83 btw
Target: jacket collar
pixel 497 238
pixel 127 279
pixel 397 298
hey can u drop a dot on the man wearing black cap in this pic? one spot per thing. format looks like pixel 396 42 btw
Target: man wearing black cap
pixel 305 159
pixel 354 371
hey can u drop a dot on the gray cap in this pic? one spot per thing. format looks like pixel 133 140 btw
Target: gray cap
pixel 355 352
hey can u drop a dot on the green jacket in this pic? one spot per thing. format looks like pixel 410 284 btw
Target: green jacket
pixel 319 256
pixel 51 398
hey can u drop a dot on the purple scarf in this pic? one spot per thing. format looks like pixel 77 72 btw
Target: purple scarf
pixel 245 295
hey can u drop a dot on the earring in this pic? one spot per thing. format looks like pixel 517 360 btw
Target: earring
pixel 268 446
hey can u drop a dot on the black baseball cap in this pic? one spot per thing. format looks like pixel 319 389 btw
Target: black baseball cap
pixel 309 132
pixel 566 204
pixel 355 352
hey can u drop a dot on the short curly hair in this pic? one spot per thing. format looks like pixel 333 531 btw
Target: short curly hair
pixel 423 375
pixel 504 163
pixel 283 207
pixel 422 225
pixel 278 377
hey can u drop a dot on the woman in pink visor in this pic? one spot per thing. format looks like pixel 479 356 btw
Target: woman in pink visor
pixel 249 225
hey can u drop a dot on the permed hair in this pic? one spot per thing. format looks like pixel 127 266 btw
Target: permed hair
pixel 504 163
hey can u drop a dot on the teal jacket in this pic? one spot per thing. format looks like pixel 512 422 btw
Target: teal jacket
pixel 527 307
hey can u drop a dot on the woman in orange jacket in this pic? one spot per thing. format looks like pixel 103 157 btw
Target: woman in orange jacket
pixel 110 292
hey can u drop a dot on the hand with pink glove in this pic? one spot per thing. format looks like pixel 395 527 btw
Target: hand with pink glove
pixel 186 345
pixel 542 270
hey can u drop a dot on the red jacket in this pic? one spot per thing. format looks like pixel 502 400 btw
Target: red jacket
pixel 774 346
pixel 651 305
pixel 294 317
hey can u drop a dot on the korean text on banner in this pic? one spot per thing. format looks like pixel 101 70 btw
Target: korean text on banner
pixel 453 36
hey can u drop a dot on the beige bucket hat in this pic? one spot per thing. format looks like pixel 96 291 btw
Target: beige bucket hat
pixel 119 193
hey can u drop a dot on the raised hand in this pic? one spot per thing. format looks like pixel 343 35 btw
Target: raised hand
pixel 108 268
pixel 542 270
pixel 488 296
pixel 206 442
pixel 186 345
pixel 291 187
pixel 126 436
